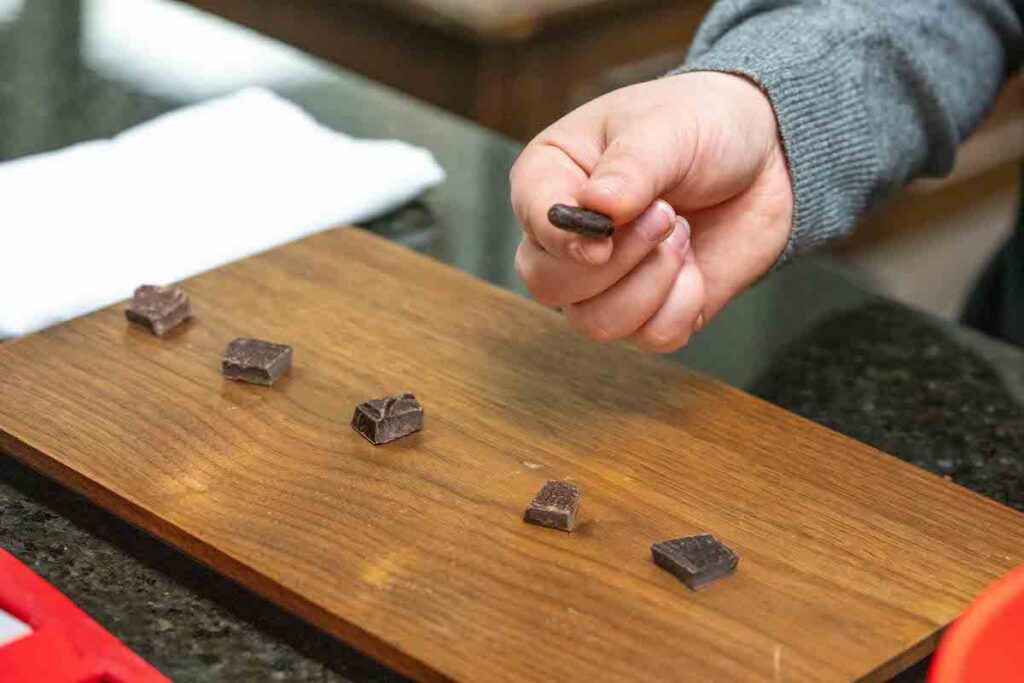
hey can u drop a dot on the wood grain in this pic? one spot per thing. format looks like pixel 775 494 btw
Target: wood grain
pixel 851 562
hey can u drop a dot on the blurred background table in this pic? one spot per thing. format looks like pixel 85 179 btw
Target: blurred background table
pixel 815 338
pixel 513 66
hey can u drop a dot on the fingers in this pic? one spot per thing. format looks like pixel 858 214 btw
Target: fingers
pixel 641 163
pixel 556 282
pixel 708 146
pixel 546 175
pixel 733 245
pixel 621 310
pixel 679 317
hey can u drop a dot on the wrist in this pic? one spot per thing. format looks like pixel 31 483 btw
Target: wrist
pixel 751 106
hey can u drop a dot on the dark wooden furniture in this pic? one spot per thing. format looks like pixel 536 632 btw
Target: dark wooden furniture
pixel 512 65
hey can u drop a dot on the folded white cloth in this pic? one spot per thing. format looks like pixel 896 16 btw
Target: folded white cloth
pixel 82 227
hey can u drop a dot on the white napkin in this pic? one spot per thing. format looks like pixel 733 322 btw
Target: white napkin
pixel 82 227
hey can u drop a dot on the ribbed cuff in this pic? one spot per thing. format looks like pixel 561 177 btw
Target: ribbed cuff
pixel 823 121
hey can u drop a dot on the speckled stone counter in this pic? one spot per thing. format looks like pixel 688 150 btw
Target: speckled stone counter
pixel 942 398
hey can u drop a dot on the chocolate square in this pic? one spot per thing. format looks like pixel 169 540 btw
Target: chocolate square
pixel 381 420
pixel 695 560
pixel 256 361
pixel 160 309
pixel 555 506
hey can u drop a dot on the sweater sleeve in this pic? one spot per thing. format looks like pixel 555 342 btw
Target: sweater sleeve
pixel 869 94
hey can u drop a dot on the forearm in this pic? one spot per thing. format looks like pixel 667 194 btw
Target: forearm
pixel 868 93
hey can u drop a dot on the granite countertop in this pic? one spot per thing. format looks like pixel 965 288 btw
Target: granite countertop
pixel 945 399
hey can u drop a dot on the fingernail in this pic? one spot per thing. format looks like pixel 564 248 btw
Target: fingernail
pixel 699 325
pixel 657 222
pixel 680 237
pixel 683 226
pixel 578 251
pixel 589 250
pixel 667 209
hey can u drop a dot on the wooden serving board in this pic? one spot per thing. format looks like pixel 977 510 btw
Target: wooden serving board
pixel 852 562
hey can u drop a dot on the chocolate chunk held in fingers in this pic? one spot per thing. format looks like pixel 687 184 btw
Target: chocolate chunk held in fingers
pixel 581 221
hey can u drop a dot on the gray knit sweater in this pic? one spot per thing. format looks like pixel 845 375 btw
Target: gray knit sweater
pixel 869 94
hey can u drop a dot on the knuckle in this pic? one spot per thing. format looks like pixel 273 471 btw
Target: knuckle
pixel 597 332
pixel 590 326
pixel 525 267
pixel 538 287
pixel 545 296
pixel 625 157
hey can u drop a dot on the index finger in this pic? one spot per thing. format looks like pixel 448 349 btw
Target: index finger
pixel 545 175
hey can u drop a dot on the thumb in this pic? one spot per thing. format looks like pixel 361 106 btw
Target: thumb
pixel 636 168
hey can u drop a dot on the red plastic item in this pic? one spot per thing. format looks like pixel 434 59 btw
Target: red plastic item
pixel 986 643
pixel 65 645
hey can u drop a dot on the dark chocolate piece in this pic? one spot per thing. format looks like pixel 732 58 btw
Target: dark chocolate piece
pixel 159 308
pixel 385 419
pixel 555 506
pixel 695 560
pixel 256 361
pixel 581 221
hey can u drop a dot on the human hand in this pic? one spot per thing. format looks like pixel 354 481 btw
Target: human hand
pixel 702 145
